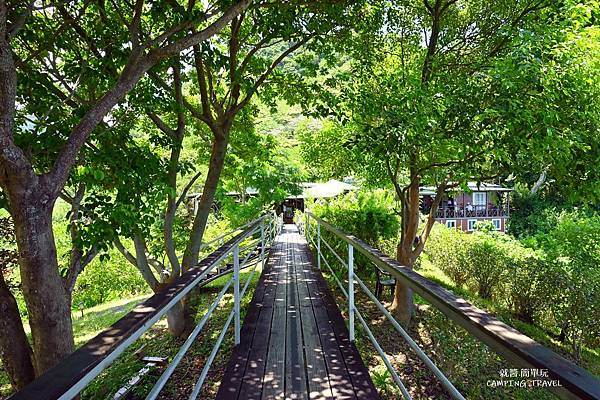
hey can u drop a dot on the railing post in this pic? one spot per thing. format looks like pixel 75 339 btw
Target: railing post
pixel 319 245
pixel 351 291
pixel 262 244
pixel 236 292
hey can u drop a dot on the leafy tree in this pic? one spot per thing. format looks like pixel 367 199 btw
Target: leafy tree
pixel 257 161
pixel 223 76
pixel 64 67
pixel 485 95
pixel 326 151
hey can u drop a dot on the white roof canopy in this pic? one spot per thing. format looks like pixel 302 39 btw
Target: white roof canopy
pixel 473 187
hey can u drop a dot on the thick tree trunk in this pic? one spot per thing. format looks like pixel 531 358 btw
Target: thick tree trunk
pixel 190 257
pixel 217 160
pixel 403 306
pixel 15 351
pixel 179 321
pixel 47 299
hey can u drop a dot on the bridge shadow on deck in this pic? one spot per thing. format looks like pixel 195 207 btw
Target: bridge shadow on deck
pixel 294 344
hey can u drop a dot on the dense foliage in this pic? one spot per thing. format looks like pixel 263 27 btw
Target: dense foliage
pixel 369 215
pixel 132 134
pixel 450 92
pixel 552 280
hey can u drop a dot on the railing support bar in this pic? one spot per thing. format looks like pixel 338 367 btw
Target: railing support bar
pixel 211 358
pixel 236 292
pixel 413 345
pixel 307 227
pixel 351 291
pixel 319 245
pixel 405 394
pixel 185 347
pixel 262 244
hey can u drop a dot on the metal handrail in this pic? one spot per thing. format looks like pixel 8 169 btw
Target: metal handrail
pixel 69 377
pixel 220 239
pixel 522 351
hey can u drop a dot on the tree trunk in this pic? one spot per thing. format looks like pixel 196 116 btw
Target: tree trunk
pixel 217 160
pixel 190 257
pixel 403 306
pixel 47 299
pixel 14 348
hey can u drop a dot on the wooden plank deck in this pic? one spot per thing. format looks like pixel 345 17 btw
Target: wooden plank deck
pixel 294 342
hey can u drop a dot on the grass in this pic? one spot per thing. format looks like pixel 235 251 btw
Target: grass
pixel 158 342
pixel 468 363
pixel 85 327
pixel 97 318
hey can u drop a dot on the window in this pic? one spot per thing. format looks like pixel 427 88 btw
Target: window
pixel 497 224
pixel 451 223
pixel 479 199
pixel 471 224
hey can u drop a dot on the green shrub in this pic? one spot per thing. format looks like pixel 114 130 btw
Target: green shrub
pixel 572 281
pixel 368 215
pixel 526 269
pixel 447 249
pixel 490 264
pixel 106 280
pixel 478 260
pixel 487 264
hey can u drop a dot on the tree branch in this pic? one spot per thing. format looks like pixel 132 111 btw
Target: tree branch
pixel 77 261
pixel 135 68
pixel 441 190
pixel 128 256
pixel 187 188
pixel 270 69
pixel 206 114
pixel 160 124
pixel 134 29
pixel 14 165
pixel 142 262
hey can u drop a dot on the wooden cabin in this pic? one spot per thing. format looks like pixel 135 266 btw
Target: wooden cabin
pixel 463 209
pixel 310 190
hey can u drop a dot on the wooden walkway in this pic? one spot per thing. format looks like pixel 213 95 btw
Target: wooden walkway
pixel 294 344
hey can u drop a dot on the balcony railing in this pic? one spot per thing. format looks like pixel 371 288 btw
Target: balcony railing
pixel 479 211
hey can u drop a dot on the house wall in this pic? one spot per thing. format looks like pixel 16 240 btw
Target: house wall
pixel 463 223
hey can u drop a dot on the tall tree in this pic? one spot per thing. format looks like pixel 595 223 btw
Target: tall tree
pixel 226 73
pixel 452 91
pixel 56 79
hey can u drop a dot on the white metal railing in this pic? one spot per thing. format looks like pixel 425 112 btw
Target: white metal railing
pixel 266 232
pixel 518 349
pixel 305 228
pixel 70 377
